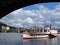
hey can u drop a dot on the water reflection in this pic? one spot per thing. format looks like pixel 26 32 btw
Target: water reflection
pixel 45 41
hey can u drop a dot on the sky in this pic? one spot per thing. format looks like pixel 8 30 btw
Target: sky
pixel 35 15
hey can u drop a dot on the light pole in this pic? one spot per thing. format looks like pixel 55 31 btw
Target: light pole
pixel 18 30
pixel 18 26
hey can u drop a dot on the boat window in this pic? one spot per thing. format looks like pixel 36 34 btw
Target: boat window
pixel 40 30
pixel 45 30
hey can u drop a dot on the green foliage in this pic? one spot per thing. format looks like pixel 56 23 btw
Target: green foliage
pixel 12 31
pixel 59 30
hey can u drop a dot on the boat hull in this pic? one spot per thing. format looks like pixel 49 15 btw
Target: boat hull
pixel 27 36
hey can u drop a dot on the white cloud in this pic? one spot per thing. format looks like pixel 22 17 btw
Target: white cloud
pixel 56 27
pixel 56 11
pixel 43 9
pixel 29 20
pixel 18 12
pixel 57 22
pixel 48 22
pixel 40 16
pixel 56 14
pixel 41 22
pixel 29 13
pixel 18 25
pixel 58 7
pixel 41 26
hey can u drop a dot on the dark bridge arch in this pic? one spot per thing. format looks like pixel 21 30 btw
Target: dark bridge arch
pixel 7 6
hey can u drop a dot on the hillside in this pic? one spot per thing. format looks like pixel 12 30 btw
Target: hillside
pixel 3 24
pixel 11 29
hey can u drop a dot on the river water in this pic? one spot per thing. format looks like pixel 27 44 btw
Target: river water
pixel 16 39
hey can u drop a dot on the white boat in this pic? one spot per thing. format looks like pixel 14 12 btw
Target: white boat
pixel 52 33
pixel 42 34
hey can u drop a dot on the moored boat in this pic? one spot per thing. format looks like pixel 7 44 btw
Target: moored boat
pixel 43 33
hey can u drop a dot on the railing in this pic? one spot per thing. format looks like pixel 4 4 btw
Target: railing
pixel 39 33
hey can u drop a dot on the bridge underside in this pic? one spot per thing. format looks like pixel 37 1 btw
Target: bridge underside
pixel 7 6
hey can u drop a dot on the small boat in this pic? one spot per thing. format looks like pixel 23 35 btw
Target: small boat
pixel 43 33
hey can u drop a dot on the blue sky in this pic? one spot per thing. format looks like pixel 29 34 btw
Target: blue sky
pixel 48 5
pixel 35 15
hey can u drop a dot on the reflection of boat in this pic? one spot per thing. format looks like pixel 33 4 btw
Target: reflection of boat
pixel 40 33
